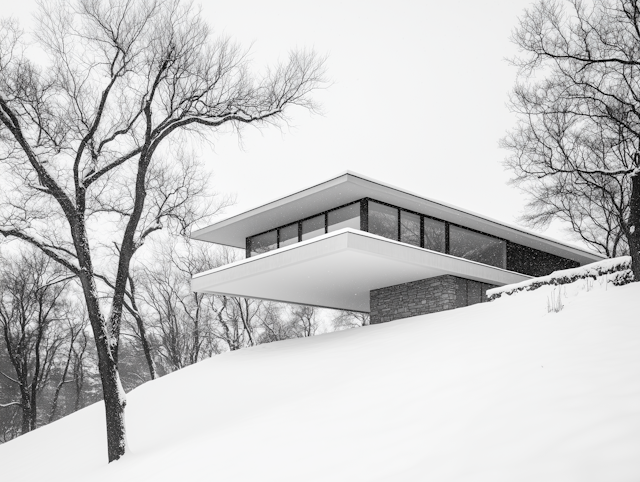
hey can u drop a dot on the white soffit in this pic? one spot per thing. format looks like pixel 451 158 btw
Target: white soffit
pixel 337 270
pixel 349 187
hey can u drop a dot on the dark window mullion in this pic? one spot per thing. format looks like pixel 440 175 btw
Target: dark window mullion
pixel 446 237
pixel 399 224
pixel 422 231
pixel 364 215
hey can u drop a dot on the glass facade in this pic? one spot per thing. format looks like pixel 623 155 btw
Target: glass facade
pixel 346 217
pixel 468 244
pixel 435 235
pixel 313 227
pixel 288 235
pixel 263 242
pixel 383 220
pixel 410 228
pixel 343 217
pixel 393 223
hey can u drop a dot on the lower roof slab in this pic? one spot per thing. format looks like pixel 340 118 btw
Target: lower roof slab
pixel 337 270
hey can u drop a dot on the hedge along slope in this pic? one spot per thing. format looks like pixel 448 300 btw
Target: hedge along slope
pixel 618 268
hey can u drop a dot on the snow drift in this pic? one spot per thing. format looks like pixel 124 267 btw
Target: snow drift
pixel 500 391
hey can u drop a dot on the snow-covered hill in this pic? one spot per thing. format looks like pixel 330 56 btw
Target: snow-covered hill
pixel 503 391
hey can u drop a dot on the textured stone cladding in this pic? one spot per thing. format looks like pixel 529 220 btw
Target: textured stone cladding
pixel 425 296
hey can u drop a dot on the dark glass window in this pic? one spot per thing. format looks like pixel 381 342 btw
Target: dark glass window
pixel 525 260
pixel 288 235
pixel 383 220
pixel 313 227
pixel 434 237
pixel 410 228
pixel 346 217
pixel 263 242
pixel 477 247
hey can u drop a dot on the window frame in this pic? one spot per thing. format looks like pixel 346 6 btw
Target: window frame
pixel 364 226
pixel 460 226
pixel 249 243
pixel 446 233
pixel 326 215
pixel 398 210
pixel 420 227
pixel 286 226
pixel 300 233
pixel 299 222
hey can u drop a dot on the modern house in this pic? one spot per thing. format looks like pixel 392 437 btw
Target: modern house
pixel 354 243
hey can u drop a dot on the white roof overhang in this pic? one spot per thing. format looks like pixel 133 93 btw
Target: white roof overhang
pixel 350 187
pixel 337 270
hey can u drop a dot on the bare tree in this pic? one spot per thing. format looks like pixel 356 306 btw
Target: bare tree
pixel 576 148
pixel 82 381
pixel 139 330
pixel 75 340
pixel 273 325
pixel 178 321
pixel 81 139
pixel 57 366
pixel 30 308
pixel 242 315
pixel 304 321
pixel 235 320
pixel 345 320
pixel 184 327
pixel 238 319
pixel 594 212
pixel 282 322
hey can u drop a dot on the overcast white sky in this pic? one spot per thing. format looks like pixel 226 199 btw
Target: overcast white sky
pixel 418 99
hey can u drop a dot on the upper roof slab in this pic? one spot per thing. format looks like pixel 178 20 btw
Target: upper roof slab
pixel 350 186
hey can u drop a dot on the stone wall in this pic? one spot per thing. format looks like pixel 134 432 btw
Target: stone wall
pixel 425 296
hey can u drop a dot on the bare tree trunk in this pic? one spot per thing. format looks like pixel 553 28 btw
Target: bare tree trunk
pixel 79 384
pixel 634 226
pixel 78 370
pixel 132 308
pixel 245 317
pixel 56 395
pixel 33 411
pixel 63 380
pixel 145 346
pixel 195 349
pixel 113 393
pixel 114 403
pixel 135 312
pixel 25 405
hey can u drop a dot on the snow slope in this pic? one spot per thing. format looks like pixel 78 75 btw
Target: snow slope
pixel 502 391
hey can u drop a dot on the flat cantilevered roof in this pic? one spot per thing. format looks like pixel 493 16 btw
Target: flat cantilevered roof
pixel 349 187
pixel 338 270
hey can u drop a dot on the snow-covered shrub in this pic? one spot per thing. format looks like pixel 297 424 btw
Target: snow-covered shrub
pixel 617 270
